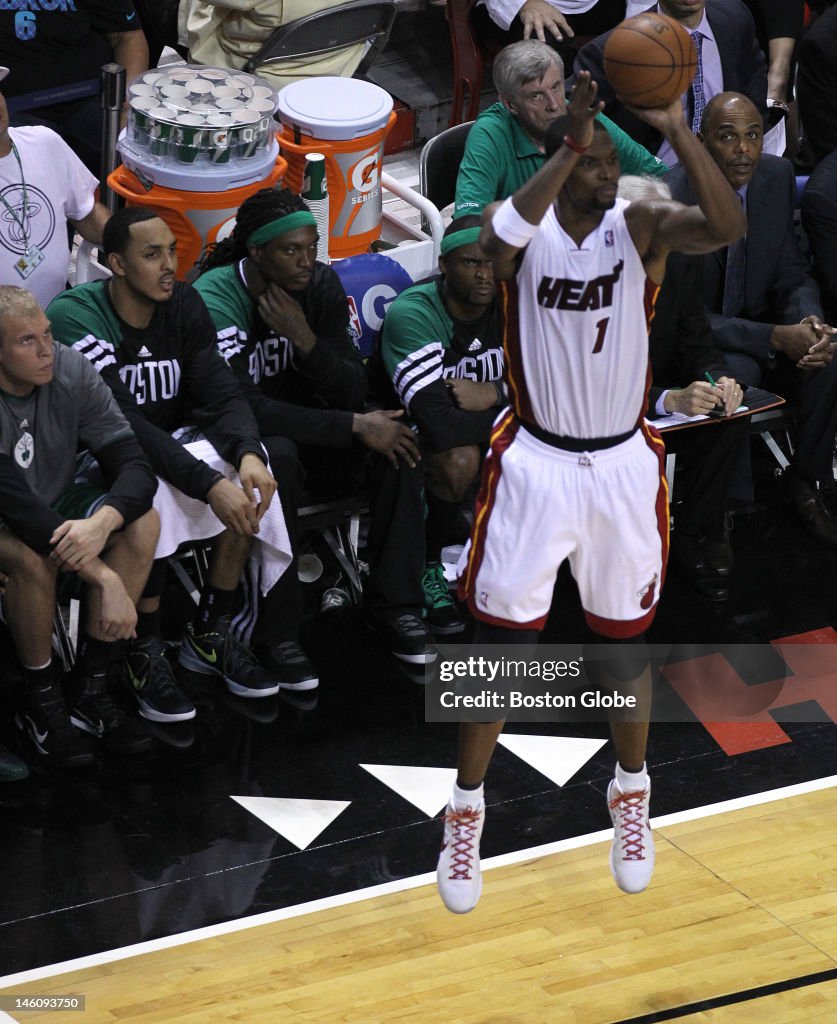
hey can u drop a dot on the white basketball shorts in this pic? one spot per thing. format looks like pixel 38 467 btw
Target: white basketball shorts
pixel 606 511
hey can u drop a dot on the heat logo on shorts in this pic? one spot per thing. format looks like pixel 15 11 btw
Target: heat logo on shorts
pixel 646 594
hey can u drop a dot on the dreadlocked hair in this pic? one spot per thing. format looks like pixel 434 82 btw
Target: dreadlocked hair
pixel 261 208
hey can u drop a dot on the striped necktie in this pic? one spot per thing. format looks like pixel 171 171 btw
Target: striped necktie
pixel 697 101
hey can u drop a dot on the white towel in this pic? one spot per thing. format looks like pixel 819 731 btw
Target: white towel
pixel 184 519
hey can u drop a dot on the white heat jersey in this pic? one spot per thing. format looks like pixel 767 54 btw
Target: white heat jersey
pixel 575 323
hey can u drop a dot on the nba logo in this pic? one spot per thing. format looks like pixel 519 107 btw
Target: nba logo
pixel 609 238
pixel 355 328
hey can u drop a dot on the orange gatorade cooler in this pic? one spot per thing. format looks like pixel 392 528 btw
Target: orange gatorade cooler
pixel 347 121
pixel 196 219
pixel 199 141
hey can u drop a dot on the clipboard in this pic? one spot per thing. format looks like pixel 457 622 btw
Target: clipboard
pixel 757 399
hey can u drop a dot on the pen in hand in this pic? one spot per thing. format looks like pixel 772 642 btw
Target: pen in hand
pixel 724 410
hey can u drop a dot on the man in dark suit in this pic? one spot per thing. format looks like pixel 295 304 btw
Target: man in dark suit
pixel 817 84
pixel 731 60
pixel 764 306
pixel 682 354
pixel 819 219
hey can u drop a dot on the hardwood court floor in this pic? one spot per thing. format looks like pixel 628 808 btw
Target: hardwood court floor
pixel 150 855
pixel 740 901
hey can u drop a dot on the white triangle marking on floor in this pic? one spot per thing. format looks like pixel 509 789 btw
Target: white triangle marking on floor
pixel 425 788
pixel 556 757
pixel 298 821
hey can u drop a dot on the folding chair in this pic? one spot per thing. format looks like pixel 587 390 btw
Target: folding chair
pixel 439 163
pixel 338 523
pixel 87 268
pixel 764 424
pixel 196 554
pixel 325 31
pixel 65 632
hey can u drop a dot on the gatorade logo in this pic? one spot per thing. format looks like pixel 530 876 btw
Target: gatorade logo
pixel 364 174
pixel 374 304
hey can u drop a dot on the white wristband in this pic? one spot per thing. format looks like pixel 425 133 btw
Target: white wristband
pixel 511 228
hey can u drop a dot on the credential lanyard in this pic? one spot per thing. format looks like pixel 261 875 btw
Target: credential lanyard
pixel 22 222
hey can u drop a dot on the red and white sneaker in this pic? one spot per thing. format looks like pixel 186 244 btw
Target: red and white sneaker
pixel 632 852
pixel 458 872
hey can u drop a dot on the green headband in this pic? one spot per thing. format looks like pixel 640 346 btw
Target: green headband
pixel 456 239
pixel 300 219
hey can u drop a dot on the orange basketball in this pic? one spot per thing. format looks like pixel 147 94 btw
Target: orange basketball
pixel 650 60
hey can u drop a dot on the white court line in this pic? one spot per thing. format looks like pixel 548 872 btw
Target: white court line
pixel 399 885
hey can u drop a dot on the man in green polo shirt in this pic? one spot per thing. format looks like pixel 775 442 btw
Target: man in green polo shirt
pixel 505 146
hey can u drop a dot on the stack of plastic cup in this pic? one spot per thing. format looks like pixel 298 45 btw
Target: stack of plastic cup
pixel 315 194
pixel 200 116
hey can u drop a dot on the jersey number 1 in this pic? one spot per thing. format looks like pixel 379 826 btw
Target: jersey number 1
pixel 601 329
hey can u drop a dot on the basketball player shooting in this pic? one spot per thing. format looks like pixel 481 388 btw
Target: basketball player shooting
pixel 573 471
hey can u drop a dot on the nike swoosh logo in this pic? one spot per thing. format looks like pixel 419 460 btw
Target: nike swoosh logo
pixel 38 735
pixel 130 17
pixel 210 656
pixel 136 682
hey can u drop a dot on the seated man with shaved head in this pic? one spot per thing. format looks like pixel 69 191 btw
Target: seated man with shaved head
pixel 764 305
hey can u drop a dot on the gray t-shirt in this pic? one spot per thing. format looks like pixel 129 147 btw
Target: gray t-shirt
pixel 43 432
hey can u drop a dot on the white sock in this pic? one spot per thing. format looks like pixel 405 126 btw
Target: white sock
pixel 631 782
pixel 462 799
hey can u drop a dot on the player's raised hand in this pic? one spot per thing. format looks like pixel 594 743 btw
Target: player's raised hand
pixel 582 109
pixel 667 119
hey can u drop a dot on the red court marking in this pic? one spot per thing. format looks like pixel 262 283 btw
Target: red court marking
pixel 813 663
